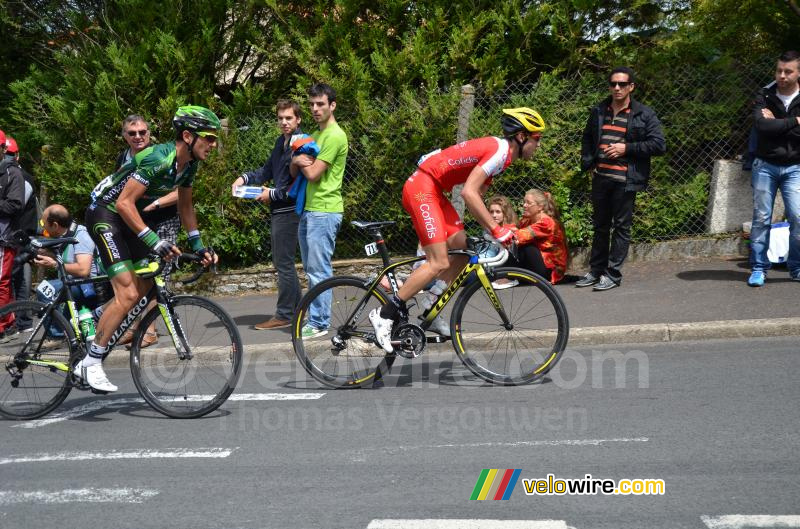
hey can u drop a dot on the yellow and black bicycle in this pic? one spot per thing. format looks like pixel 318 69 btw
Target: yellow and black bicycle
pixel 508 325
pixel 188 375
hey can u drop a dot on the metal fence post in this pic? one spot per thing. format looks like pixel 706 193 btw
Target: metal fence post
pixel 464 111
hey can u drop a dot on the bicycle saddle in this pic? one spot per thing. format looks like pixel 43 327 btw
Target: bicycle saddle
pixel 367 225
pixel 53 242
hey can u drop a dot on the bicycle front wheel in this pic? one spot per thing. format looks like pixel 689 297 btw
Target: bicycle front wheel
pixel 35 377
pixel 341 352
pixel 195 376
pixel 528 346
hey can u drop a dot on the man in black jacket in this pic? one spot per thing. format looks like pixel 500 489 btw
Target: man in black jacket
pixel 619 139
pixel 283 227
pixel 776 165
pixel 12 198
pixel 28 222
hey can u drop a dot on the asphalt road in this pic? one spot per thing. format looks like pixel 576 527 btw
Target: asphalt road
pixel 715 420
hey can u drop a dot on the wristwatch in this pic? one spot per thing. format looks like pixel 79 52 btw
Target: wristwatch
pixel 156 204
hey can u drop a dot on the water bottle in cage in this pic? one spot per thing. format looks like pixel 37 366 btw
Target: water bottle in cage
pixel 86 322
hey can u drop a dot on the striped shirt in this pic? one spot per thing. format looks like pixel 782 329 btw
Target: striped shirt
pixel 613 131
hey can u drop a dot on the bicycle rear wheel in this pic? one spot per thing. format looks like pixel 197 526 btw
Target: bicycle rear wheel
pixel 342 357
pixel 29 390
pixel 180 385
pixel 528 347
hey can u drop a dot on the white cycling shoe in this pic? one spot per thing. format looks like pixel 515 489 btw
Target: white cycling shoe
pixel 95 377
pixel 383 329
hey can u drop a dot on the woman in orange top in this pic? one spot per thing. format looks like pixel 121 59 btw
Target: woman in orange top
pixel 542 246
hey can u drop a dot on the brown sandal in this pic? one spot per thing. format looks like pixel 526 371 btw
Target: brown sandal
pixel 148 339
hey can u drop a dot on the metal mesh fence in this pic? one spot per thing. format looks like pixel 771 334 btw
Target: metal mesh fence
pixel 705 113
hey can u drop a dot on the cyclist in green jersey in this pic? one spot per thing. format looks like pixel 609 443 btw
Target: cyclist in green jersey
pixel 122 237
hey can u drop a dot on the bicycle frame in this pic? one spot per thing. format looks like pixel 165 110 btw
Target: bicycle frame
pixel 444 298
pixel 157 292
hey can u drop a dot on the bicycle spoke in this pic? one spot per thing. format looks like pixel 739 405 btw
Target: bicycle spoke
pixel 338 359
pixel 196 385
pixel 519 354
pixel 29 391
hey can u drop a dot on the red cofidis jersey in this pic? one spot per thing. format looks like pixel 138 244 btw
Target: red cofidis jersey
pixel 452 166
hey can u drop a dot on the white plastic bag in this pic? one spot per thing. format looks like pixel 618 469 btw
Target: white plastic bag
pixel 778 250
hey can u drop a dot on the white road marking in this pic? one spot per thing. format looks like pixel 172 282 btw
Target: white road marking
pixel 555 442
pixel 742 521
pixel 165 453
pixel 511 444
pixel 467 524
pixel 276 396
pixel 88 495
pixel 100 404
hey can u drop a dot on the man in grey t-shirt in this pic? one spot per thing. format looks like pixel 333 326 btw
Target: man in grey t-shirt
pixel 78 258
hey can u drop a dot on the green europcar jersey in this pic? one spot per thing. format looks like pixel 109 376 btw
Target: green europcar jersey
pixel 155 167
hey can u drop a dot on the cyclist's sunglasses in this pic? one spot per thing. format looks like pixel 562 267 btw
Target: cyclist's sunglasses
pixel 134 133
pixel 621 84
pixel 208 136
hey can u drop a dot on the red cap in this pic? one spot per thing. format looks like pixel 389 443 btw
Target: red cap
pixel 2 137
pixel 11 145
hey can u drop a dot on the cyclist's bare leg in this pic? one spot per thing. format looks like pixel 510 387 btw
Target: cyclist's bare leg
pixel 457 241
pixel 128 289
pixel 437 265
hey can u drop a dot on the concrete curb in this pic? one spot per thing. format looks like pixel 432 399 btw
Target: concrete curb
pixel 611 335
pixel 682 332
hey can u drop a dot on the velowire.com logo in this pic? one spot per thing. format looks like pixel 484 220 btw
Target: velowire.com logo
pixel 495 484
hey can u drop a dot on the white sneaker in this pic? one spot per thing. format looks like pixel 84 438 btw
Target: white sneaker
pixel 501 284
pixel 439 326
pixel 383 329
pixel 95 377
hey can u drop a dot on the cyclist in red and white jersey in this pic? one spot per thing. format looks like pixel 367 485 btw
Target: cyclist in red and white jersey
pixel 473 163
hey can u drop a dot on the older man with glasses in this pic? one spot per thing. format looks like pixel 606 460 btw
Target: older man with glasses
pixel 620 137
pixel 136 134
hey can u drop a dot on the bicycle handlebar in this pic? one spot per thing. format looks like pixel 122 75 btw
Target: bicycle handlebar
pixel 29 251
pixel 193 258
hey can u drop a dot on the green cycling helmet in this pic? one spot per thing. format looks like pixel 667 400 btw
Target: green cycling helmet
pixel 195 118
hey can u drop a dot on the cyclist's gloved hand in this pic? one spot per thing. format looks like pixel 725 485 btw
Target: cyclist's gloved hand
pixel 163 248
pixel 158 245
pixel 502 234
pixel 208 255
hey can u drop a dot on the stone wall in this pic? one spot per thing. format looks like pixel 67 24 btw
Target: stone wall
pixel 263 277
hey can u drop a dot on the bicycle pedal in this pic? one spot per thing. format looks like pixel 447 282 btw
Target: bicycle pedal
pixel 99 391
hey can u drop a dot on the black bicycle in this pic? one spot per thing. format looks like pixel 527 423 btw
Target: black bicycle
pixel 189 377
pixel 508 325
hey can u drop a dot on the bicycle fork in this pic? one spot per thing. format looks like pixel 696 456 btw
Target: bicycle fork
pixel 172 323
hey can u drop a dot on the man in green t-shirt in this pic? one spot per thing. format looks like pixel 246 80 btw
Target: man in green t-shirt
pixel 322 214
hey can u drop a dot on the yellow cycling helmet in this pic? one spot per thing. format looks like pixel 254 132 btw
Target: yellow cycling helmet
pixel 522 119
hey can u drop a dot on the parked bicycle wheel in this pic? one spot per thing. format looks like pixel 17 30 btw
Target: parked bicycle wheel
pixel 30 389
pixel 339 356
pixel 524 350
pixel 196 376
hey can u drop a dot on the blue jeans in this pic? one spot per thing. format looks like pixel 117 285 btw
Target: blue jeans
pixel 317 237
pixel 84 295
pixel 767 179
